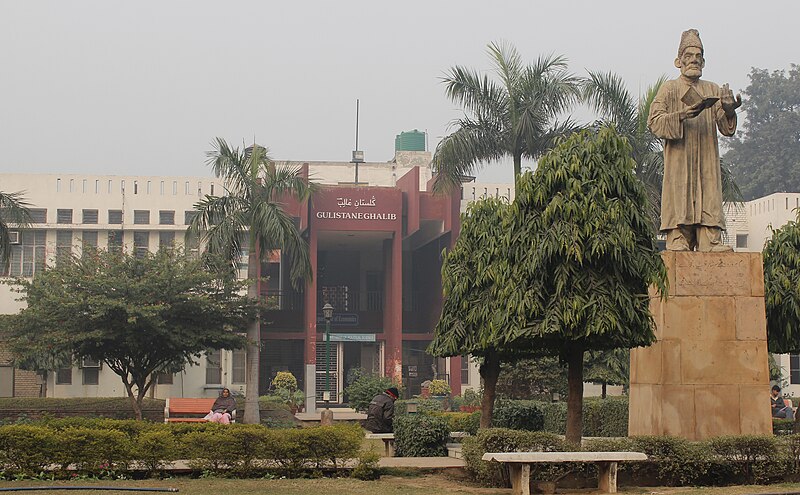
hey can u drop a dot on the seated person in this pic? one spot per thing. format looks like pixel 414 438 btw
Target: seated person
pixel 222 410
pixel 779 407
pixel 380 412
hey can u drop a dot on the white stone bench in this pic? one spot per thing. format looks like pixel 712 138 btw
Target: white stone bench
pixel 519 464
pixel 388 442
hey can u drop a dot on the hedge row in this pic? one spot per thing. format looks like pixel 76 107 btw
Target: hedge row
pixel 671 461
pixel 103 446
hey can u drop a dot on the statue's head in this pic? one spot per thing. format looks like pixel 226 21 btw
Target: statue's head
pixel 690 55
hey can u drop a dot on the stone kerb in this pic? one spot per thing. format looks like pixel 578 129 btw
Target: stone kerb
pixel 707 374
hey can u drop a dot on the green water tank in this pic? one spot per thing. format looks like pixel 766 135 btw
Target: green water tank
pixel 410 141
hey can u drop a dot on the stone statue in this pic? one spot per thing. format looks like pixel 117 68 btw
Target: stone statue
pixel 686 114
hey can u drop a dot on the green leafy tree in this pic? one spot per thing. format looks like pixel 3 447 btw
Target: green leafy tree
pixel 251 216
pixel 13 213
pixel 765 158
pixel 139 316
pixel 532 378
pixel 471 272
pixel 514 115
pixel 581 258
pixel 607 95
pixel 782 289
pixel 610 367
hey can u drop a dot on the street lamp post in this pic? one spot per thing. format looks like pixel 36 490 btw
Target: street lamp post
pixel 326 419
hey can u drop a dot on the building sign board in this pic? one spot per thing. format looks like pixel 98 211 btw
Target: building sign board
pixel 340 320
pixel 352 337
pixel 358 208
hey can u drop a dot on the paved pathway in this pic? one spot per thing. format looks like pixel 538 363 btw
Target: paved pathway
pixel 421 462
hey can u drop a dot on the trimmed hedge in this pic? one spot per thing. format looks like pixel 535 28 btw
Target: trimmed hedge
pixel 601 417
pixel 101 447
pixel 519 415
pixel 461 421
pixel 421 435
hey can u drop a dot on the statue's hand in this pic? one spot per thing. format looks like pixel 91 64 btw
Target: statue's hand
pixel 729 104
pixel 691 112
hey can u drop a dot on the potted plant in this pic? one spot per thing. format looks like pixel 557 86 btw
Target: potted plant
pixel 285 389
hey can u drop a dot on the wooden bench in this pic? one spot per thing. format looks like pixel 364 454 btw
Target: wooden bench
pixel 180 410
pixel 519 465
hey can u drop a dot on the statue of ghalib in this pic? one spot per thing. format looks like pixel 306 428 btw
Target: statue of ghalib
pixel 686 114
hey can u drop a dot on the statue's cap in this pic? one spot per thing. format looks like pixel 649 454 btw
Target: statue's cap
pixel 690 37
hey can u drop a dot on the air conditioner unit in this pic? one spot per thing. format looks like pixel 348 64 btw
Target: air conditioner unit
pixel 13 236
pixel 89 363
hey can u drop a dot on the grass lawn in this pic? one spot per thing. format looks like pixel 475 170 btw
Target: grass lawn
pixel 388 485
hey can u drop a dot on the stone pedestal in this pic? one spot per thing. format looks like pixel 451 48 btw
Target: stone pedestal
pixel 707 375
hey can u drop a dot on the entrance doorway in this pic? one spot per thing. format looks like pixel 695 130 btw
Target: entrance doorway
pixel 346 358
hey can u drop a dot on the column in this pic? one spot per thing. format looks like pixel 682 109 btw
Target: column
pixel 310 324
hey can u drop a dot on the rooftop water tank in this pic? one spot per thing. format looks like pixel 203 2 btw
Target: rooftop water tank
pixel 410 141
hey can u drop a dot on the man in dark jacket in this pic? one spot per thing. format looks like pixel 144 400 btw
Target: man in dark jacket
pixel 380 412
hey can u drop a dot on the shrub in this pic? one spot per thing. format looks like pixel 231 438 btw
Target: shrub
pixel 91 450
pixel 367 468
pixel 364 387
pixel 462 421
pixel 676 461
pixel 518 415
pixel 155 449
pixel 27 449
pixel 327 444
pixel 420 435
pixel 782 426
pixel 439 387
pixel 555 417
pixel 753 458
pixel 605 417
pixel 505 440
pixel 284 379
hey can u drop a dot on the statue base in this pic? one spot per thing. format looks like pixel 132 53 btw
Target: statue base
pixel 708 374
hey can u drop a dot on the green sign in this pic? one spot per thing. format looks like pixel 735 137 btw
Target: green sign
pixel 352 337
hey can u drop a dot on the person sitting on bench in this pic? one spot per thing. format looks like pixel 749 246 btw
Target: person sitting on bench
pixel 779 407
pixel 222 410
pixel 380 412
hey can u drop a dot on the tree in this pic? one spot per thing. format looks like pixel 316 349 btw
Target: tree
pixel 765 158
pixel 581 257
pixel 13 213
pixel 607 95
pixel 607 368
pixel 513 117
pixel 782 289
pixel 252 213
pixel 532 378
pixel 139 316
pixel 470 273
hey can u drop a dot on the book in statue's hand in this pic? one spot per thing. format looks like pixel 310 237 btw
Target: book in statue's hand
pixel 692 98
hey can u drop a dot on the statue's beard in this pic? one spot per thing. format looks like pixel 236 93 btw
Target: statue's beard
pixel 692 72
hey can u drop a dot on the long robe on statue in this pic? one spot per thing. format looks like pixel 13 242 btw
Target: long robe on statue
pixel 692 190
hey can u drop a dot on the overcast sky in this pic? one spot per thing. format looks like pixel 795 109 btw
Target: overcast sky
pixel 143 87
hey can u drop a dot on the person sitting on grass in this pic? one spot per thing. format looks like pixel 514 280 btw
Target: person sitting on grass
pixel 779 407
pixel 223 408
pixel 380 413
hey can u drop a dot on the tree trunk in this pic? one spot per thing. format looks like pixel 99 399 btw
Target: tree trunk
pixel 575 397
pixel 490 371
pixel 603 394
pixel 251 411
pixel 136 404
pixel 517 169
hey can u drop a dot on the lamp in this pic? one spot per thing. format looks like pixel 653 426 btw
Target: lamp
pixel 327 312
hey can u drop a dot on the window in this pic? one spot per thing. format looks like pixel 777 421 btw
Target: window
pixel 188 216
pixel 89 216
pixel 161 188
pixel 115 217
pixel 64 376
pixel 64 216
pixel 84 186
pixel 741 240
pixel 186 188
pixel 165 378
pixel 174 187
pixel 465 369
pixel 38 215
pixel 166 239
pixel 91 376
pixel 794 369
pixel 213 368
pixel 141 217
pixel 166 217
pixel 63 246
pixel 90 239
pixel 28 257
pixel 115 241
pixel 238 361
pixel 149 186
pixel 141 244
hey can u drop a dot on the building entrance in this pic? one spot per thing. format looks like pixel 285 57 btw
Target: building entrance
pixel 347 358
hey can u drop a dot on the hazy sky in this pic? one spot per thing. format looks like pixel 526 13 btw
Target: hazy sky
pixel 142 87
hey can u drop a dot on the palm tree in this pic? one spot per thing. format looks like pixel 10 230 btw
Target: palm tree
pixel 607 95
pixel 14 212
pixel 254 188
pixel 514 117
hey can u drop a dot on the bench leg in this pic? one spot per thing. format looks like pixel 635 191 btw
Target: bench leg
pixel 607 477
pixel 520 478
pixel 388 447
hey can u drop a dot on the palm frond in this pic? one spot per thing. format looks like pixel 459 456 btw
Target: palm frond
pixel 606 94
pixel 14 212
pixel 460 153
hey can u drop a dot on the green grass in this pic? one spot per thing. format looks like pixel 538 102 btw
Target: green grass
pixel 388 485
